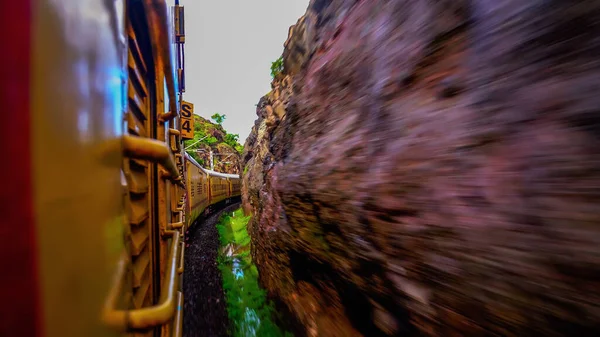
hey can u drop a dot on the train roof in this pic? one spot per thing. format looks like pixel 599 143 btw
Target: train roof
pixel 219 174
pixel 188 157
pixel 211 172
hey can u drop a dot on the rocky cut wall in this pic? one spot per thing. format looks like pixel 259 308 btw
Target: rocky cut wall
pixel 209 136
pixel 432 168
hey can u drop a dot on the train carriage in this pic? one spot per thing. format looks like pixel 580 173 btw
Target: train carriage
pixel 197 190
pixel 219 187
pixel 235 185
pixel 102 188
pixel 93 97
pixel 206 188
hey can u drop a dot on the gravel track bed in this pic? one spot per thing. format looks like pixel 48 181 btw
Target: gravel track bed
pixel 205 310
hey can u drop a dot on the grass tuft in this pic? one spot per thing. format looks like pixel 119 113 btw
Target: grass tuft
pixel 247 305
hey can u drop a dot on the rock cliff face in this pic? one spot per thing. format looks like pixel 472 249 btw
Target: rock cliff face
pixel 432 168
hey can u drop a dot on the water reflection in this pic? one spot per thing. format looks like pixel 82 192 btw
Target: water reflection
pixel 237 270
pixel 251 322
pixel 249 311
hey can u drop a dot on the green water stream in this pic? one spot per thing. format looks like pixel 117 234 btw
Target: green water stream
pixel 249 311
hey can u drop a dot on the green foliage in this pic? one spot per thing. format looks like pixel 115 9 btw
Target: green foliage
pixel 276 67
pixel 247 305
pixel 232 139
pixel 211 140
pixel 218 118
pixel 232 229
pixel 203 137
pixel 200 133
pixel 239 148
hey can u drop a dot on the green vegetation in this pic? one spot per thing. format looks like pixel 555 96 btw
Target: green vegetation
pixel 218 118
pixel 207 134
pixel 232 229
pixel 232 140
pixel 247 306
pixel 277 67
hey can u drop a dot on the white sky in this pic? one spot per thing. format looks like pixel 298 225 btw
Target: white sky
pixel 230 45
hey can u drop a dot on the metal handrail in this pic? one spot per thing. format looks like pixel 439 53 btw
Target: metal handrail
pixel 149 317
pixel 177 134
pixel 158 19
pixel 175 225
pixel 154 150
pixel 178 328
pixel 181 258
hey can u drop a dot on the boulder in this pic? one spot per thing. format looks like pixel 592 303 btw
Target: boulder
pixel 433 170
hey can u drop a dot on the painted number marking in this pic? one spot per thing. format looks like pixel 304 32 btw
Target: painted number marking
pixel 187 120
pixel 187 109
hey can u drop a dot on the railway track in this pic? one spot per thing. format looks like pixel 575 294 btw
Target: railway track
pixel 204 305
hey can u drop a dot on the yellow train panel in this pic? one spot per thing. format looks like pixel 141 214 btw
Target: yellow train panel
pixel 235 187
pixel 96 98
pixel 197 190
pixel 219 188
pixel 70 80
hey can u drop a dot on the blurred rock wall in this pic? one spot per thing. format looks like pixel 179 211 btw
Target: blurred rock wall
pixel 432 168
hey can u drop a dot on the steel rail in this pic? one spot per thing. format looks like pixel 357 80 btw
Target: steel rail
pixel 178 325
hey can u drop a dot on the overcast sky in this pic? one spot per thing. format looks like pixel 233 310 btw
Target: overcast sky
pixel 230 45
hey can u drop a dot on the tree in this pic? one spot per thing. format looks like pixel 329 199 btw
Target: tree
pixel 276 67
pixel 218 118
pixel 231 139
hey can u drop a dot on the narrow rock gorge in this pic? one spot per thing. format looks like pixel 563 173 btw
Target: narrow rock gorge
pixel 432 168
